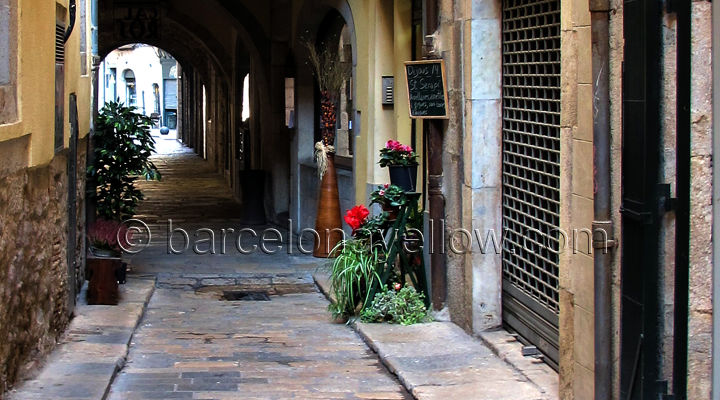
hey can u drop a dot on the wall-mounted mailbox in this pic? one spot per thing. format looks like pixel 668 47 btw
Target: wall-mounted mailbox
pixel 388 90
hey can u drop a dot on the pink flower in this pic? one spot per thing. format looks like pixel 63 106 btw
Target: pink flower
pixel 381 193
pixel 392 144
pixel 397 286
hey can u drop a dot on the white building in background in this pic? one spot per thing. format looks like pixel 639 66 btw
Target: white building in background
pixel 143 76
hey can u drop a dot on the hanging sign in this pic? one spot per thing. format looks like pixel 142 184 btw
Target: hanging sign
pixel 426 88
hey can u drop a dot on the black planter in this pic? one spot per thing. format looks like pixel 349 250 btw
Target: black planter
pixel 404 177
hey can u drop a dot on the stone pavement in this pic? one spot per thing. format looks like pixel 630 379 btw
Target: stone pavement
pixel 438 360
pixel 192 345
pixel 92 350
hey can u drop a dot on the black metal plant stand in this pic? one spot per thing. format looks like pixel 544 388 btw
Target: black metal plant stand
pixel 407 258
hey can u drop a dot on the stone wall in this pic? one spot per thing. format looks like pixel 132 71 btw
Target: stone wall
pixel 700 313
pixel 33 261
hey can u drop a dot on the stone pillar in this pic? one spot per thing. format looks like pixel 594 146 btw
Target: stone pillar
pixel 482 185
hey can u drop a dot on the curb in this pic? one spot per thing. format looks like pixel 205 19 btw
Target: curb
pixel 94 348
pixel 123 359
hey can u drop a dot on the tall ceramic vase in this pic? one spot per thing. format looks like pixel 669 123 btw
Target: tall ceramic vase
pixel 328 224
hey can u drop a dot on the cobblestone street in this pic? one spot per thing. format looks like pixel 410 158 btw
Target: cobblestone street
pixel 194 346
pixel 191 344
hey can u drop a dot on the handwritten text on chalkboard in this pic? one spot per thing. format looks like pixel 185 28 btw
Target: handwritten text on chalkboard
pixel 426 89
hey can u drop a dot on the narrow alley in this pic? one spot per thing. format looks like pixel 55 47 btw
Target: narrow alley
pixel 359 199
pixel 195 345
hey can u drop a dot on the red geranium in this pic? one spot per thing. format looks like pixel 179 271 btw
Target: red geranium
pixel 356 216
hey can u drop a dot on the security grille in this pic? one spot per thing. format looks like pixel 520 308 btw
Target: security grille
pixel 531 169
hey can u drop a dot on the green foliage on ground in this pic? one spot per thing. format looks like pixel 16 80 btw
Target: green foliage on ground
pixel 122 148
pixel 405 306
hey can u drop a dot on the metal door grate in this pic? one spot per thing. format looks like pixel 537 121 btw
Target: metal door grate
pixel 531 165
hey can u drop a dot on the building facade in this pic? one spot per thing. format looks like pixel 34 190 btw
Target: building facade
pixel 45 102
pixel 144 77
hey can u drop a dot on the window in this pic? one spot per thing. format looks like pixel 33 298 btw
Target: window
pixel 130 89
pixel 8 61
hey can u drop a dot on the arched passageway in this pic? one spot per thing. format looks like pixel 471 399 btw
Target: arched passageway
pixel 236 55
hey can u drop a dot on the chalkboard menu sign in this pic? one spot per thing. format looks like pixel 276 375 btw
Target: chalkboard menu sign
pixel 426 88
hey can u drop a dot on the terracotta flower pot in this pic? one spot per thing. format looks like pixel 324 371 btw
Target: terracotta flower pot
pixel 328 224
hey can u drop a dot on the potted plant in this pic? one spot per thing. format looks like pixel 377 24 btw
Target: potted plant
pixel 354 271
pixel 122 149
pixel 390 198
pixel 402 164
pixel 105 238
pixel 331 73
pixel 105 267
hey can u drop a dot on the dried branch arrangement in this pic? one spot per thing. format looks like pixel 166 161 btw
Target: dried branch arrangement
pixel 328 69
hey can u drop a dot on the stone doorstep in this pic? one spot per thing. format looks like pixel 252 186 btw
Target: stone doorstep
pixel 93 348
pixel 440 360
pixel 509 349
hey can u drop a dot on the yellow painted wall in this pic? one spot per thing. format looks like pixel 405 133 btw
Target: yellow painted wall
pixel 382 49
pixel 36 79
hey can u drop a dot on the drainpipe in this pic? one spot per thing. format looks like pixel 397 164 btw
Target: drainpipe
pixel 602 223
pixel 433 129
pixel 71 25
pixel 94 92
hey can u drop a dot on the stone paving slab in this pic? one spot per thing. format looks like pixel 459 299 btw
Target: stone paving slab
pixel 439 360
pixel 190 345
pixel 509 349
pixel 92 350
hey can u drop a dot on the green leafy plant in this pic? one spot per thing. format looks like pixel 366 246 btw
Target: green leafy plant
pixel 352 274
pixel 123 146
pixel 388 196
pixel 399 305
pixel 372 229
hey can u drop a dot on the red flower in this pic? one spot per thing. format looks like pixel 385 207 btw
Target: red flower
pixel 397 286
pixel 356 216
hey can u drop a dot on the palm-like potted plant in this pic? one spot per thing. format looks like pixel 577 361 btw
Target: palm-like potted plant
pixel 122 149
pixel 401 161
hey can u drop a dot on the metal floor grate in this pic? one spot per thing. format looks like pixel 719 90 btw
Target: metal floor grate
pixel 531 148
pixel 238 295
